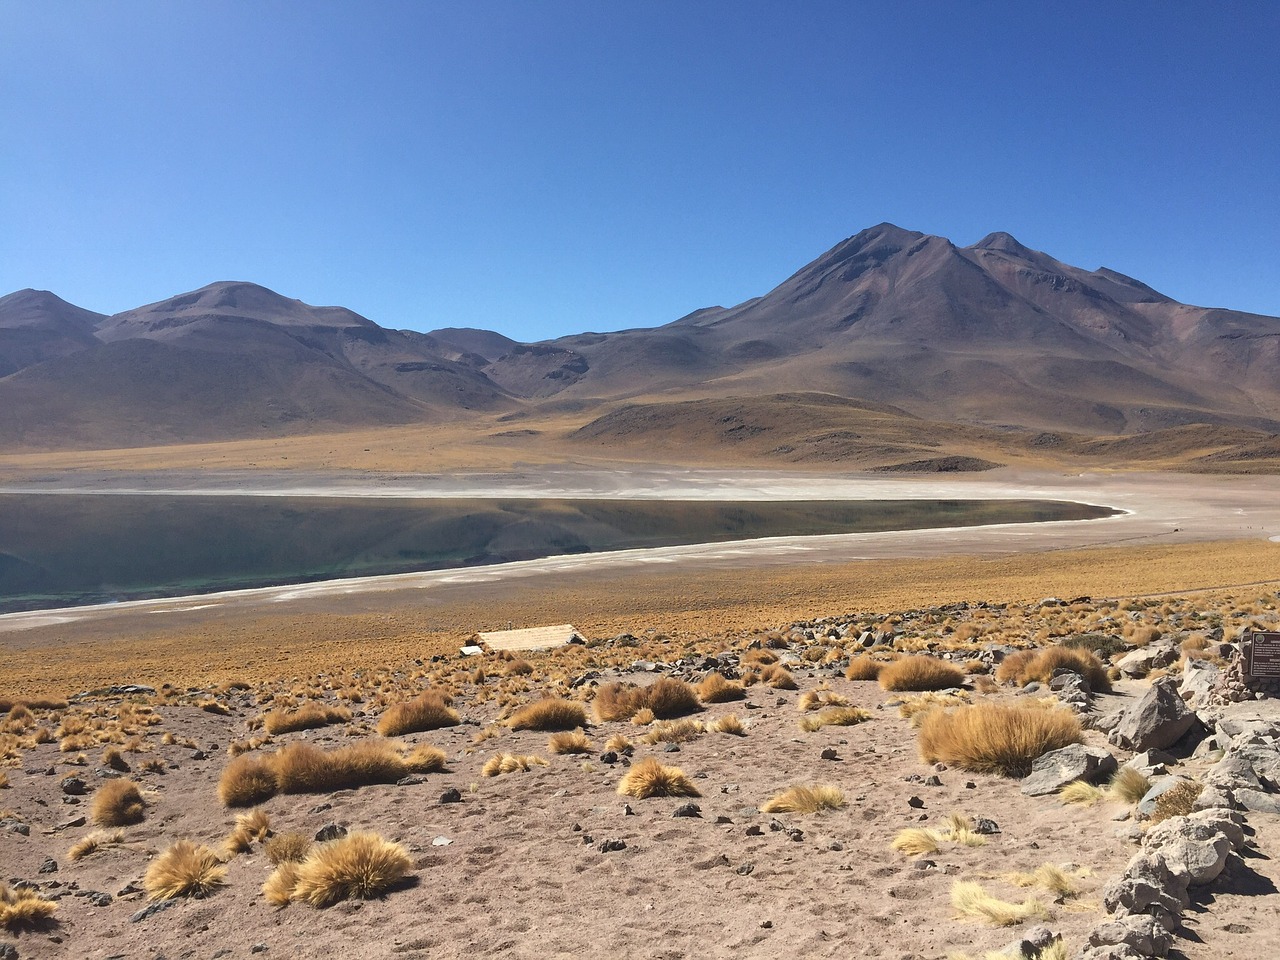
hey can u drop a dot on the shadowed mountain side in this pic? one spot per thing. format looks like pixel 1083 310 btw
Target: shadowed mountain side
pixel 36 326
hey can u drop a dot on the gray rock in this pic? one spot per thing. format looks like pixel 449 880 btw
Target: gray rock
pixel 1031 943
pixel 8 951
pixel 1192 847
pixel 74 786
pixel 1151 763
pixel 1159 787
pixel 1139 932
pixel 1227 822
pixel 687 810
pixel 1054 770
pixel 330 831
pixel 1198 679
pixel 151 909
pixel 1255 801
pixel 1156 721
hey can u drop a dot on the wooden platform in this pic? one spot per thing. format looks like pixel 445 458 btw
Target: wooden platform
pixel 532 638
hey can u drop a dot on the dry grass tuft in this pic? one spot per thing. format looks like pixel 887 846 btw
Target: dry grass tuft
pixel 424 758
pixel 307 717
pixel 619 744
pixel 1177 802
pixel 569 742
pixel 987 738
pixel 863 668
pixel 118 803
pixel 971 900
pixel 834 717
pixel 23 908
pixel 303 768
pixel 1048 877
pixel 915 841
pixel 430 710
pixel 1128 786
pixel 278 890
pixel 716 689
pixel 915 708
pixel 93 842
pixel 1027 665
pixel 673 731
pixel 358 866
pixel 643 717
pixel 817 699
pixel 729 723
pixel 186 869
pixel 548 715
pixel 1081 793
pixel 649 778
pixel 247 781
pixel 250 827
pixel 802 799
pixel 665 699
pixel 288 847
pixel 510 763
pixel 920 673
pixel 778 677
pixel 113 758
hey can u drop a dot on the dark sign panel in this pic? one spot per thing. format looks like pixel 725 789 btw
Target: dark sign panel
pixel 1264 655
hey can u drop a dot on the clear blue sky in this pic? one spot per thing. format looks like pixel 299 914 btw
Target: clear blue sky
pixel 542 167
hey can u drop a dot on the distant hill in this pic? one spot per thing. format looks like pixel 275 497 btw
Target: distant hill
pixel 992 336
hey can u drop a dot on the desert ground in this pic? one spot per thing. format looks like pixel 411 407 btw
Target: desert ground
pixel 522 865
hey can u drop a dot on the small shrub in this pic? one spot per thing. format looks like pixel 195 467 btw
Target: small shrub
pixel 1101 645
pixel 23 908
pixel 834 717
pixel 430 710
pixel 920 673
pixel 1081 793
pixel 971 900
pixel 1027 665
pixel 778 677
pixel 569 742
pixel 1048 877
pixel 619 744
pixel 988 738
pixel 93 842
pixel 424 758
pixel 278 890
pixel 303 768
pixel 915 708
pixel 863 668
pixel 915 841
pixel 113 758
pixel 673 731
pixel 1177 802
pixel 649 778
pixel 250 827
pixel 358 866
pixel 186 869
pixel 548 715
pixel 510 763
pixel 802 799
pixel 614 701
pixel 817 699
pixel 118 803
pixel 716 689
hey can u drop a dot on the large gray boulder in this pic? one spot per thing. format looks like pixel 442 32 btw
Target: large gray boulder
pixel 1140 933
pixel 1198 679
pixel 1156 721
pixel 1057 768
pixel 1194 847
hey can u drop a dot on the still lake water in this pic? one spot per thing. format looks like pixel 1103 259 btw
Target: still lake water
pixel 63 550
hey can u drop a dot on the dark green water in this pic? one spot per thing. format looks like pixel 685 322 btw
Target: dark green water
pixel 62 550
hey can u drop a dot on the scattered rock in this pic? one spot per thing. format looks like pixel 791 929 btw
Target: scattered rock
pixel 611 846
pixel 330 831
pixel 74 786
pixel 151 909
pixel 687 810
pixel 1057 768
pixel 1157 721
pixel 452 795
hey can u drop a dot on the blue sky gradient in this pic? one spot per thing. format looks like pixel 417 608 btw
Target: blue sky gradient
pixel 545 168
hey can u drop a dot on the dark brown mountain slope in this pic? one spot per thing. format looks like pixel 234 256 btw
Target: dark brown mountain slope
pixel 36 326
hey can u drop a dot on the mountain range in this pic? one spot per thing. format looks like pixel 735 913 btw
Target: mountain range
pixel 992 335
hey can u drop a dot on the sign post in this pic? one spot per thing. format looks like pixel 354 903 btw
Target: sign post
pixel 1264 655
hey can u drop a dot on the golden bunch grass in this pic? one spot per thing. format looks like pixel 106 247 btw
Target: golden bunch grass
pixel 759 657
pixel 673 731
pixel 989 738
pixel 817 699
pixel 1057 950
pixel 278 890
pixel 517 668
pixel 920 673
pixel 915 841
pixel 210 705
pixel 93 842
pixel 778 677
pixel 960 830
pixel 643 717
pixel 971 900
pixel 358 866
pixel 186 869
pixel 307 717
pixel 665 698
pixel 488 733
pixel 425 758
pixel 303 768
pixel 1081 793
pixel 863 668
pixel 118 803
pixel 834 717
pixel 649 778
pixel 247 781
pixel 1039 664
pixel 805 799
pixel 510 763
pixel 250 827
pixel 714 688
pixel 729 723
pixel 76 741
pixel 915 707
pixel 1128 786
pixel 113 758
pixel 430 710
pixel 22 908
pixel 618 744
pixel 288 847
pixel 548 715
pixel 566 741
pixel 4 781
pixel 1048 877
